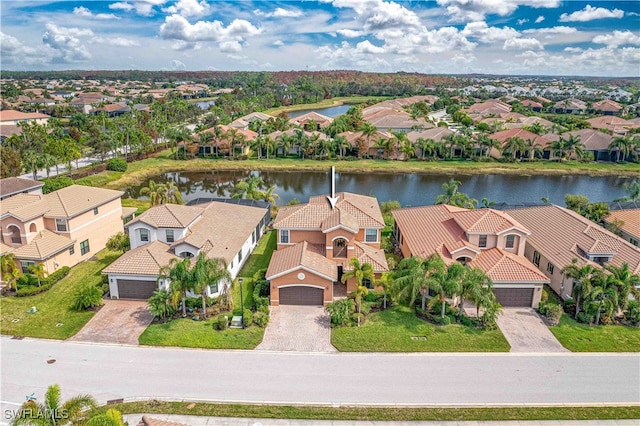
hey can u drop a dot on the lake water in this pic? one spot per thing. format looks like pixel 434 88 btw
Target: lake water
pixel 329 112
pixel 205 104
pixel 410 189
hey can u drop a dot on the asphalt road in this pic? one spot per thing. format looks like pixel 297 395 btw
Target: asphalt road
pixel 112 371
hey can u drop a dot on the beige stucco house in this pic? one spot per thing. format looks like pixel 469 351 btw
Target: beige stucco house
pixel 316 243
pixel 61 228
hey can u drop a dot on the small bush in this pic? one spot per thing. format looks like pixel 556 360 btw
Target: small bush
pixel 220 323
pixel 354 318
pixel 445 321
pixel 545 295
pixel 466 321
pixel 236 311
pixel 193 303
pixel 554 313
pixel 117 165
pixel 87 297
pixel 261 319
pixel 543 307
pixel 632 313
pixel 248 317
pixel 264 309
pixel 584 317
pixel 260 302
pixel 119 242
pixel 370 297
pixel 365 308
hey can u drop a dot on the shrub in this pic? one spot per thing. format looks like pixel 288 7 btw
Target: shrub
pixel 56 183
pixel 248 317
pixel 193 303
pixel 264 309
pixel 445 321
pixel 87 297
pixel 28 284
pixel 545 295
pixel 632 313
pixel 236 311
pixel 584 317
pixel 340 311
pixel 354 318
pixel 365 308
pixel 119 242
pixel 369 297
pixel 542 307
pixel 117 165
pixel 261 319
pixel 260 302
pixel 466 321
pixel 220 323
pixel 554 313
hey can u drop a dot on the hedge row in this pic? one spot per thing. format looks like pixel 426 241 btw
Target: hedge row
pixel 28 284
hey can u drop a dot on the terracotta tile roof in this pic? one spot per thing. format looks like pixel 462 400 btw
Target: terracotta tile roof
pixel 493 106
pixel 321 120
pixel 339 218
pixel 390 119
pixel 397 104
pixel 607 105
pixel 169 216
pixel 531 104
pixel 24 206
pixel 303 255
pixel 77 199
pixel 557 232
pixel 571 103
pixel 368 254
pixel 14 185
pixel 143 260
pixel 128 211
pixel 4 249
pixel 436 133
pixel 13 115
pixel 223 229
pixel 486 221
pixel 631 219
pixel 43 246
pixel 594 140
pixel 502 266
pixel 505 135
pixel 313 214
pixel 613 123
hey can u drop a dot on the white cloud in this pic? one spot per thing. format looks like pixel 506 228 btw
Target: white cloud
pixel 618 38
pixel 279 13
pixel 115 41
pixel 350 33
pixel 189 8
pixel 83 12
pixel 177 65
pixel 477 10
pixel 230 46
pixel 142 7
pixel 522 44
pixel 13 51
pixel 539 19
pixel 522 21
pixel 378 15
pixel 589 13
pixel 551 30
pixel 367 47
pixel 67 43
pixel 486 34
pixel 278 43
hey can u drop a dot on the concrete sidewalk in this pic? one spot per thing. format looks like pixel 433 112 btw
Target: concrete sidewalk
pixel 134 419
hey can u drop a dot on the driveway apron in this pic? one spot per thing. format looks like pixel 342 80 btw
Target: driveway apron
pixel 526 332
pixel 118 321
pixel 297 328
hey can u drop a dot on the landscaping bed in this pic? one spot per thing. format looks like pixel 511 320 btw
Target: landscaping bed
pixel 397 329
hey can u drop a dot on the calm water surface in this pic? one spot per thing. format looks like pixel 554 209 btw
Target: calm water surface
pixel 410 189
pixel 329 112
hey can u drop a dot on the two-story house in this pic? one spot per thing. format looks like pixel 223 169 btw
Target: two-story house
pixel 488 239
pixel 61 228
pixel 225 230
pixel 316 243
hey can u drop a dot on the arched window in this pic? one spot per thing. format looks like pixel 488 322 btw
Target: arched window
pixel 33 228
pixel 15 234
pixel 340 248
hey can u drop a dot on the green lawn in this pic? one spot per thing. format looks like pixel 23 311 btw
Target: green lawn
pixel 392 331
pixel 54 306
pixel 392 414
pixel 579 337
pixel 186 333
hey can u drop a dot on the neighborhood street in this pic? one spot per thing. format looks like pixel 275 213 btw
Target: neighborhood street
pixel 112 372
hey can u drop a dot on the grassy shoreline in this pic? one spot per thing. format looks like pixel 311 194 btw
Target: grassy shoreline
pixel 380 413
pixel 140 170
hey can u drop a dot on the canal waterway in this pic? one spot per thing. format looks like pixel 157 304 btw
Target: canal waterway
pixel 410 189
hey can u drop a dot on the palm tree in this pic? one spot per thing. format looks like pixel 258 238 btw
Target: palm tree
pixel 270 196
pixel 178 272
pixel 452 197
pixel 574 146
pixel 172 193
pixel 360 272
pixel 154 192
pixel 111 417
pixel 626 283
pixel 514 145
pixel 533 147
pixel 52 411
pixel 581 276
pixel 38 271
pixel 341 144
pixel 386 282
pixel 622 145
pixel 477 287
pixel 9 270
pixel 633 189
pixel 604 295
pixel 368 130
pixel 446 281
pixel 160 304
pixel 411 279
pixel 206 272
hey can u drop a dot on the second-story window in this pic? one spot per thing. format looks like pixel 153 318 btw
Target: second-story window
pixel 510 242
pixel 61 225
pixel 284 236
pixel 169 234
pixel 240 256
pixel 95 210
pixel 371 235
pixel 536 258
pixel 550 268
pixel 482 241
pixel 144 234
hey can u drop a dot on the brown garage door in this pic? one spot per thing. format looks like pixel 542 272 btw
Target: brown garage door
pixel 300 295
pixel 517 297
pixel 134 289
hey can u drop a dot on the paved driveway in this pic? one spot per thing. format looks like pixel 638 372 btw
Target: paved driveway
pixel 118 321
pixel 526 332
pixel 297 328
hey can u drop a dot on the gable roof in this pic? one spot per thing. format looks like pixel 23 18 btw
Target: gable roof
pixel 593 139
pixel 15 185
pixel 630 219
pixel 560 233
pixel 321 120
pixel 502 266
pixel 312 215
pixel 486 221
pixel 77 199
pixel 304 255
pixel 144 260
pixel 169 216
pixel 24 206
pixel 367 254
pixel 43 246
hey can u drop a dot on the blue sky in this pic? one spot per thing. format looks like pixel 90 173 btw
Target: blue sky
pixel 550 37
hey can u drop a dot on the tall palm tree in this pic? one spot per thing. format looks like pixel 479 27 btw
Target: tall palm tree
pixel 446 281
pixel 575 146
pixel 411 279
pixel 154 192
pixel 386 282
pixel 621 145
pixel 633 189
pixel 368 131
pixel 360 272
pixel 52 411
pixel 341 144
pixel 604 295
pixel 477 287
pixel 9 270
pixel 533 147
pixel 38 271
pixel 625 281
pixel 581 276
pixel 514 145
pixel 450 189
pixel 208 271
pixel 178 272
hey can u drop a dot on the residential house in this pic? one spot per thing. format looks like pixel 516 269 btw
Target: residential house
pixel 607 107
pixel 504 136
pixel 558 236
pixel 613 124
pixel 243 123
pixel 594 141
pixel 532 105
pixel 628 222
pixel 225 230
pixel 61 228
pixel 368 146
pixel 492 106
pixel 316 243
pixel 570 106
pixel 488 239
pixel 111 110
pixel 14 185
pixel 10 117
pixel 311 117
pixel 85 102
